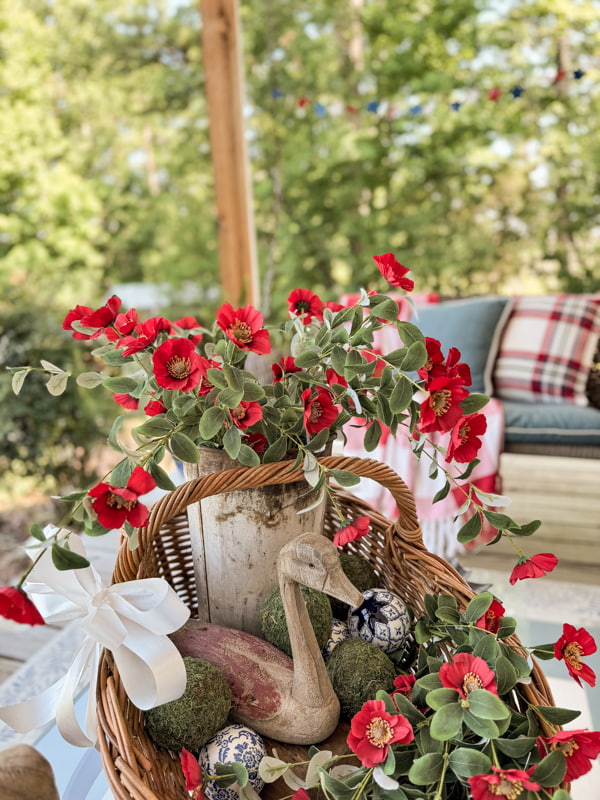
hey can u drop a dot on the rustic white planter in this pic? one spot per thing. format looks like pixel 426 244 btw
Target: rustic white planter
pixel 236 538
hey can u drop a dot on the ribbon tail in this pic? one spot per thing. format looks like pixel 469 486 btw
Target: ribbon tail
pixel 85 664
pixel 35 712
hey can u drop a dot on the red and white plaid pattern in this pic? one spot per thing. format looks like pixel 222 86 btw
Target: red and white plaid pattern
pixel 547 349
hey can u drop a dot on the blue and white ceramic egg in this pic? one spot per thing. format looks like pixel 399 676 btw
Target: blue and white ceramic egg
pixel 339 632
pixel 233 743
pixel 382 619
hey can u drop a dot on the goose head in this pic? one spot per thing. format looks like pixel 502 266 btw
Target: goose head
pixel 312 559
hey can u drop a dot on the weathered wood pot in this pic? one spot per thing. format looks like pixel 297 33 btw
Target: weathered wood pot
pixel 236 538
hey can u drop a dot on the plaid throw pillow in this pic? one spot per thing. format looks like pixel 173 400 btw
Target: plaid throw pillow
pixel 592 387
pixel 547 349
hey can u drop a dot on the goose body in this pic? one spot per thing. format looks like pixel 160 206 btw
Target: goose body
pixel 288 699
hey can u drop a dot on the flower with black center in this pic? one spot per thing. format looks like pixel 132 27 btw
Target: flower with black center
pixel 115 505
pixel 176 365
pixel 306 305
pixel 373 730
pixel 503 784
pixel 533 567
pixel 393 271
pixel 579 747
pixel 319 410
pixel 16 606
pixel 572 646
pixel 467 672
pixel 244 328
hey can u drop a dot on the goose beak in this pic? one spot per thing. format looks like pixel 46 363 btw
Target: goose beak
pixel 339 586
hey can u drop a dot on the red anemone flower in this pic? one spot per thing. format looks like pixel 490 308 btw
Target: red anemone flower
pixel 504 783
pixel 373 730
pixel 256 440
pixel 305 304
pixel 144 335
pixel 333 306
pixel 176 365
pixel 490 621
pixel 403 684
pixel 332 377
pixel 193 774
pixel 16 606
pixel 464 441
pixel 284 366
pixel 122 326
pixel 247 414
pixel 205 386
pixel 535 567
pixel 76 315
pixel 580 748
pixel 319 410
pixel 440 411
pixel 432 368
pixel 115 505
pixel 127 401
pixel 90 318
pixel 467 672
pixel 456 368
pixel 188 324
pixel 245 328
pixel 351 530
pixel 393 271
pixel 572 645
pixel 155 407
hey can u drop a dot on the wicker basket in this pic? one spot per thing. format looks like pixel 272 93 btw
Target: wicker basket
pixel 135 767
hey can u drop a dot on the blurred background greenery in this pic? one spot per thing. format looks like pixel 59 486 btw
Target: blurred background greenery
pixel 106 175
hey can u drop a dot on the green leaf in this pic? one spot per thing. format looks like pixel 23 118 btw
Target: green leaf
pixel 235 772
pixel 231 398
pixel 338 359
pixel 506 628
pixel 343 477
pixel 551 770
pixel 65 559
pixel 57 384
pixel 401 395
pixel 276 451
pixel 120 385
pixel 389 703
pixel 122 472
pixel 216 377
pixel 427 769
pixel 332 786
pixel 412 714
pixel 485 705
pixel 446 722
pixel 308 359
pixel 545 652
pixel 372 436
pixel 37 532
pixel 487 648
pixel 527 529
pixel 18 379
pixel 474 403
pixel 416 356
pixel 441 697
pixel 409 333
pixel 248 457
pixel 430 682
pixel 521 664
pixel 232 441
pixel 318 442
pixel 561 794
pixel 89 380
pixel 500 521
pixel 477 607
pixel 516 748
pixel 470 530
pixel 506 675
pixel 447 614
pixel 211 423
pixel 183 448
pixel 160 425
pixel 443 492
pixel 234 377
pixel 466 762
pixel 482 727
pixel 558 716
pixel 163 481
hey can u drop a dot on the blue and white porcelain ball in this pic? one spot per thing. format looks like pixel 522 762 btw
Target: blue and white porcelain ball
pixel 382 620
pixel 233 743
pixel 339 632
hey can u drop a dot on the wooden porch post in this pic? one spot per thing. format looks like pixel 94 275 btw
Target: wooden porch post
pixel 222 53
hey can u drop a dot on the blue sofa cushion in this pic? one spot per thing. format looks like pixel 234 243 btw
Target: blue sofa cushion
pixel 474 327
pixel 551 423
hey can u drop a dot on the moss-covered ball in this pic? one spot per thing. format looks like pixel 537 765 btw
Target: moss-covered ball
pixel 357 671
pixel 195 717
pixel 360 573
pixel 274 626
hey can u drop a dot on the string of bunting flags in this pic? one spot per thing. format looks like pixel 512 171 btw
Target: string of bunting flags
pixel 387 110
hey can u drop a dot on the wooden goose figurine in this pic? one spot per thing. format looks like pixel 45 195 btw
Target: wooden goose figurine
pixel 288 699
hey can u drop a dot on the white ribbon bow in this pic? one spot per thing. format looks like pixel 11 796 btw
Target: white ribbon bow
pixel 131 619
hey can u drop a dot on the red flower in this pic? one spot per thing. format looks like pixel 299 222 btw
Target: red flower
pixel 145 335
pixel 205 386
pixel 490 621
pixel 16 606
pixel 435 360
pixel 456 368
pixel 403 684
pixel 333 306
pixel 127 401
pixel 284 366
pixel 351 530
pixel 319 410
pixel 504 783
pixel 155 407
pixel 331 376
pixel 193 774
pixel 76 315
pixel 394 272
pixel 572 645
pixel 580 748
pixel 467 672
pixel 535 567
pixel 494 95
pixel 187 324
pixel 245 328
pixel 305 304
pixel 98 319
pixel 256 440
pixel 247 414
pixel 373 730
pixel 464 441
pixel 176 365
pixel 116 505
pixel 441 410
pixel 301 794
pixel 123 325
